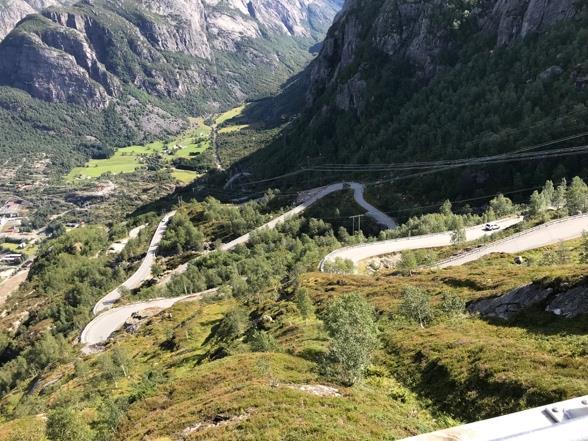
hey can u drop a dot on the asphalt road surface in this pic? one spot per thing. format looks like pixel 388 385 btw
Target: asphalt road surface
pixel 366 251
pixel 142 274
pixel 315 196
pixel 311 197
pixel 104 325
pixel 541 236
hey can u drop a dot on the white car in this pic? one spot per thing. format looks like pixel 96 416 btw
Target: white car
pixel 491 227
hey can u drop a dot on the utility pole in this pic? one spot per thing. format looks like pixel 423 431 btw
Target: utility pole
pixel 358 217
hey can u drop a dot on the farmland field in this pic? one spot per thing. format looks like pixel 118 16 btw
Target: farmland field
pixel 129 159
pixel 233 113
pixel 184 176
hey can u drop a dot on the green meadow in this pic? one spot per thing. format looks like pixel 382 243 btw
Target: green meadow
pixel 131 158
pixel 184 176
pixel 186 145
pixel 233 113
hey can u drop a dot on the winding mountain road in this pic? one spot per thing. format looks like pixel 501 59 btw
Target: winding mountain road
pixel 361 252
pixel 314 196
pixel 142 274
pixel 311 197
pixel 377 215
pixel 547 234
pixel 104 325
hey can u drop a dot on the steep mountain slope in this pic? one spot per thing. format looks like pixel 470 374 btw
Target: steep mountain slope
pixel 87 53
pixel 420 33
pixel 404 80
pixel 142 58
pixel 12 11
pixel 426 35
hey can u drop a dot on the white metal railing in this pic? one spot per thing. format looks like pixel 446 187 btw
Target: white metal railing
pixel 563 421
pixel 509 239
pixel 397 240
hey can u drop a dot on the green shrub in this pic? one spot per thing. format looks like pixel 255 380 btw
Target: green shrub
pixel 262 341
pixel 339 266
pixel 452 305
pixel 67 425
pixel 304 303
pixel 233 325
pixel 350 323
pixel 416 306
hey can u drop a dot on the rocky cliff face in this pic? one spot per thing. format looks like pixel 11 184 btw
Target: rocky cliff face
pixel 86 53
pixel 420 33
pixel 13 11
pixel 512 19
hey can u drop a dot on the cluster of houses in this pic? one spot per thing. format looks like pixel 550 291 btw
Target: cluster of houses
pixel 12 213
pixel 14 210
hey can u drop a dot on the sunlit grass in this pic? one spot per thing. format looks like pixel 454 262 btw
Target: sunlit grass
pixel 129 159
pixel 221 119
pixel 184 176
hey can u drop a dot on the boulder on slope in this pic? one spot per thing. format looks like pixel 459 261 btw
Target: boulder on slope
pixel 509 305
pixel 570 303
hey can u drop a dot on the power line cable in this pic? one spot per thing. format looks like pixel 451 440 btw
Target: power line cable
pixel 419 165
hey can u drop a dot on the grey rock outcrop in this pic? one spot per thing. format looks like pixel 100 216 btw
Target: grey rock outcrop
pixel 51 74
pixel 88 52
pixel 509 305
pixel 551 73
pixel 511 19
pixel 13 11
pixel 570 303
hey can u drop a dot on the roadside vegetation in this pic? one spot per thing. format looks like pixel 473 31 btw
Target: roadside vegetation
pixel 70 273
pixel 281 345
pixel 253 350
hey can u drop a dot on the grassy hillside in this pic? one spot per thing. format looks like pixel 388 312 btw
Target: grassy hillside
pixel 180 373
pixel 252 361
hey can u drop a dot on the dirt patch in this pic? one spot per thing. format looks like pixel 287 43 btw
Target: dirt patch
pixel 315 389
pixel 219 420
pixel 11 284
pixel 387 262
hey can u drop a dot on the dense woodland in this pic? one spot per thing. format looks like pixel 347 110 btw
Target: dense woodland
pixel 485 101
pixel 56 131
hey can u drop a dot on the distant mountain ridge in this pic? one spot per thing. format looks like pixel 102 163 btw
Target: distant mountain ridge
pixel 87 53
pixel 77 79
